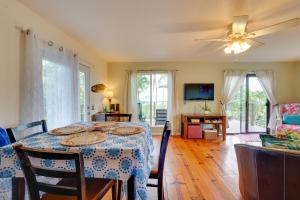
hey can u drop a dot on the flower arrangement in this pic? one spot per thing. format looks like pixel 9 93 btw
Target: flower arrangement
pixel 206 108
pixel 222 103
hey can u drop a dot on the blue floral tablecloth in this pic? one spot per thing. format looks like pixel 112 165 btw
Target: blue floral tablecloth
pixel 117 158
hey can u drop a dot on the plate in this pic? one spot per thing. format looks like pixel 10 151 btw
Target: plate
pixel 127 130
pixel 85 138
pixel 67 130
pixel 104 126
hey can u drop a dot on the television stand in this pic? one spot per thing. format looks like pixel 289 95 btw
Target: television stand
pixel 215 119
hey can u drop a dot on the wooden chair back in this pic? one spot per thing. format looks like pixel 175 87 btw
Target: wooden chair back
pixel 118 116
pixel 30 172
pixel 163 151
pixel 166 127
pixel 12 132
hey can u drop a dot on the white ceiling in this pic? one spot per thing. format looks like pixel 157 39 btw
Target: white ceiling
pixel 164 30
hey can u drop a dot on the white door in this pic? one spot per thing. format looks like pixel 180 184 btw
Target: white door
pixel 84 92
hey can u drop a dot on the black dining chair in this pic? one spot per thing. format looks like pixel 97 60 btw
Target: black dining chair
pixel 118 117
pixel 157 171
pixel 13 132
pixel 73 185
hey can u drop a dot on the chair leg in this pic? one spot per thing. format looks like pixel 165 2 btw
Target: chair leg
pixel 120 185
pixel 114 191
pixel 160 192
pixel 18 188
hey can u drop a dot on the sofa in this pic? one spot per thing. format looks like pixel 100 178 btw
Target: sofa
pixel 286 110
pixel 268 174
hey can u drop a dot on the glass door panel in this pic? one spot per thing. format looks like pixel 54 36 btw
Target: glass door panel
pixel 257 111
pixel 247 112
pixel 236 112
pixel 152 97
pixel 144 97
pixel 159 99
pixel 84 96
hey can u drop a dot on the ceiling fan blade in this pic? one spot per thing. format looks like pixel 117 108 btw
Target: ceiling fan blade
pixel 194 27
pixel 211 40
pixel 254 43
pixel 239 24
pixel 275 28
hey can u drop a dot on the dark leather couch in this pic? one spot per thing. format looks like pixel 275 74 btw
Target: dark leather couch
pixel 268 174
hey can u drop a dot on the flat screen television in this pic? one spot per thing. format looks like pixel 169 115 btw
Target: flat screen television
pixel 198 91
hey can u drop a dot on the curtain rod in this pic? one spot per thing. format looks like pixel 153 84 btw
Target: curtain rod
pixel 22 29
pixel 50 42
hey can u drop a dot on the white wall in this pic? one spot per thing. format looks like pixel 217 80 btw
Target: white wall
pixel 12 14
pixel 198 72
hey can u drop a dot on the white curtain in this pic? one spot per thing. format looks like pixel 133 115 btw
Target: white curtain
pixel 232 82
pixel 267 81
pixel 173 102
pixel 60 85
pixel 31 82
pixel 131 95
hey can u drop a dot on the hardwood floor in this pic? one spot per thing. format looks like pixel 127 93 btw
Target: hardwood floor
pixel 199 169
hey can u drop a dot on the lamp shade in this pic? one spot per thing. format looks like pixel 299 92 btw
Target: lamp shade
pixel 109 94
pixel 98 88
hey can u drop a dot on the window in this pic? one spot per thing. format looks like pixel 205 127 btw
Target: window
pixel 152 97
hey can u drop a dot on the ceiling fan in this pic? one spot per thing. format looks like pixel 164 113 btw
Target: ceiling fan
pixel 238 39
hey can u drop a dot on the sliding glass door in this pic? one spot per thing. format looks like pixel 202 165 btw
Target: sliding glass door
pixel 152 97
pixel 248 112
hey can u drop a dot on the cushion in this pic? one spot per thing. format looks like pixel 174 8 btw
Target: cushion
pixel 290 109
pixel 291 119
pixel 291 141
pixel 4 139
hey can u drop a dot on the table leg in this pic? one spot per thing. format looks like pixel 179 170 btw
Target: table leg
pixel 224 128
pixel 131 188
pixel 18 188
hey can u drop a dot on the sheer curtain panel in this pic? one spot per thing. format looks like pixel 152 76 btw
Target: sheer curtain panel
pixel 60 85
pixel 31 81
pixel 233 79
pixel 130 99
pixel 267 81
pixel 49 83
pixel 173 102
pixel 232 83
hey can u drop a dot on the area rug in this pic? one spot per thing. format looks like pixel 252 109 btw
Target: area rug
pixel 253 137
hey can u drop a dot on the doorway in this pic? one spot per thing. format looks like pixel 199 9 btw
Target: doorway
pixel 248 112
pixel 152 97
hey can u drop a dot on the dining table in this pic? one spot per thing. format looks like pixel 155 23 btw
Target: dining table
pixel 125 158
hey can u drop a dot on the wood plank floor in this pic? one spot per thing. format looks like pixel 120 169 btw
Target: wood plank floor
pixel 199 169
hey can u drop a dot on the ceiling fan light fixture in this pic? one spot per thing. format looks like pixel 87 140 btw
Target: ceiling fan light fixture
pixel 237 47
pixel 228 50
pixel 245 46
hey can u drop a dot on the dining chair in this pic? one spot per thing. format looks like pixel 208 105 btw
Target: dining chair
pixel 118 117
pixel 12 132
pixel 157 171
pixel 73 185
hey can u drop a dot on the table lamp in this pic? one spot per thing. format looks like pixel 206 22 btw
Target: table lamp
pixel 109 94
